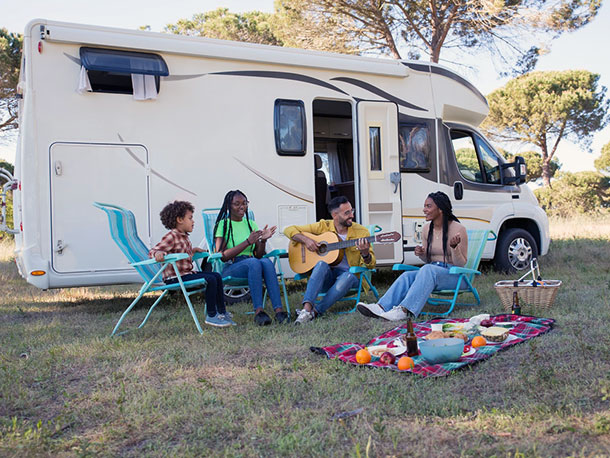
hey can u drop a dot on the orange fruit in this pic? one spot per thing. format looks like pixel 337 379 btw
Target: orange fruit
pixel 363 356
pixel 479 341
pixel 405 363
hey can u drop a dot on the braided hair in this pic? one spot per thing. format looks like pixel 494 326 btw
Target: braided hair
pixel 443 203
pixel 225 214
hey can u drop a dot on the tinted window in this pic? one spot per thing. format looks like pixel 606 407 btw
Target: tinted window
pixel 375 147
pixel 289 123
pixel 125 62
pixel 466 156
pixel 414 143
pixel 490 160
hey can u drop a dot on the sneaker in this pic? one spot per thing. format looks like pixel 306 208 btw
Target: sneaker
pixel 398 313
pixel 228 318
pixel 216 320
pixel 281 317
pixel 262 319
pixel 304 316
pixel 370 310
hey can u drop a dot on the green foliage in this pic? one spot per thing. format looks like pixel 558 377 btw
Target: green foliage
pixel 576 193
pixel 7 166
pixel 513 32
pixel 542 108
pixel 252 27
pixel 290 25
pixel 602 163
pixel 10 61
pixel 533 160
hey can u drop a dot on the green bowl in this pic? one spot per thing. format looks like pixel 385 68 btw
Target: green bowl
pixel 438 351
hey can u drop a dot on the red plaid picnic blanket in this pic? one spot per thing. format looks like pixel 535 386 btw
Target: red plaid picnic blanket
pixel 526 328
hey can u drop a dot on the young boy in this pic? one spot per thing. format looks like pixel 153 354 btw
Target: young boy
pixel 178 218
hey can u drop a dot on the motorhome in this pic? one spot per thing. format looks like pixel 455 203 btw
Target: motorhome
pixel 138 119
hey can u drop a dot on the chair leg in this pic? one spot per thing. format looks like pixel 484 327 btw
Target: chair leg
pixel 151 308
pixel 285 295
pixel 190 305
pixel 134 302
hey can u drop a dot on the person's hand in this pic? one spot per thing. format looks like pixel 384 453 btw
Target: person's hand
pixel 455 241
pixel 198 250
pixel 268 232
pixel 310 244
pixel 159 256
pixel 254 236
pixel 419 250
pixel 364 246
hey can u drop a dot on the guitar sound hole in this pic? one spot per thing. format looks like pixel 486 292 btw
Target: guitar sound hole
pixel 323 248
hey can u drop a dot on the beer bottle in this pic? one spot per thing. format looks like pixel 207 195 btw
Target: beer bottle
pixel 516 308
pixel 411 339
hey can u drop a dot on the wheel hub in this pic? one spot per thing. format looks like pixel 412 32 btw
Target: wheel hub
pixel 520 253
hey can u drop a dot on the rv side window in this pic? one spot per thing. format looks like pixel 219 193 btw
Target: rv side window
pixel 116 71
pixel 414 143
pixel 289 125
pixel 466 156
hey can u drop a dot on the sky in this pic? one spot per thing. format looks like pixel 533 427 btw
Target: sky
pixel 583 49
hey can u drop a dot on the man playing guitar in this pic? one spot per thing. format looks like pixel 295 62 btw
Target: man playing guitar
pixel 335 280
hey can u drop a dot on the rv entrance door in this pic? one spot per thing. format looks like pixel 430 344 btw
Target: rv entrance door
pixel 379 173
pixel 83 173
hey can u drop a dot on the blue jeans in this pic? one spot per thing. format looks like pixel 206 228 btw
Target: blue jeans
pixel 214 294
pixel 335 282
pixel 413 288
pixel 255 270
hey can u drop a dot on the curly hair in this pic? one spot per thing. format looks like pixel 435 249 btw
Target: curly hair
pixel 172 211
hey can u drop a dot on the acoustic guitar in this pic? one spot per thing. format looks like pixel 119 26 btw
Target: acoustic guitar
pixel 330 249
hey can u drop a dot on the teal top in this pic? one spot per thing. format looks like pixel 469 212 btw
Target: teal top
pixel 240 232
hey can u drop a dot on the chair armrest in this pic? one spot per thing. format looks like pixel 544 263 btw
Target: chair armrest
pixel 200 255
pixel 360 269
pixel 404 267
pixel 168 258
pixel 215 256
pixel 463 270
pixel 275 253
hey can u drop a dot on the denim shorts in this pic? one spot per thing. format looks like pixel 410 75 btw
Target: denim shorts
pixel 441 264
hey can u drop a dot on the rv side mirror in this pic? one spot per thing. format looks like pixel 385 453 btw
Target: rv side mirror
pixel 520 169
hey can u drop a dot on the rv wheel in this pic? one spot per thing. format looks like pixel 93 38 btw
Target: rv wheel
pixel 232 296
pixel 514 250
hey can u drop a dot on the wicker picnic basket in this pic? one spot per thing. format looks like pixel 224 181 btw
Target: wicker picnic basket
pixel 542 295
pixel 535 292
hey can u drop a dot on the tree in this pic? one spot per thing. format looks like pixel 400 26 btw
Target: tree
pixel 10 61
pixel 509 29
pixel 290 25
pixel 534 160
pixel 576 193
pixel 602 163
pixel 253 26
pixel 542 108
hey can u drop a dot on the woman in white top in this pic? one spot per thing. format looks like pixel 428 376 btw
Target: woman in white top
pixel 445 244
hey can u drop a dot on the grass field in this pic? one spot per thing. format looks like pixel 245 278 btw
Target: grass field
pixel 68 389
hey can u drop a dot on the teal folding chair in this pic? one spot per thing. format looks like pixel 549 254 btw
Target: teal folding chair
pixel 124 232
pixel 353 294
pixel 235 284
pixel 476 244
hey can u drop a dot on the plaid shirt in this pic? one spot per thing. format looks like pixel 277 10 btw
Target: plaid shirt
pixel 175 242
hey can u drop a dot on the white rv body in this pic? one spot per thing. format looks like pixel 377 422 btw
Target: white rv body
pixel 211 129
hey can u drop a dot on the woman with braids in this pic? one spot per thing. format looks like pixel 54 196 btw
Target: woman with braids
pixel 445 244
pixel 242 245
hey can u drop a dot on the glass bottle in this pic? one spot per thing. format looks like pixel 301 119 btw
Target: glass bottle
pixel 516 308
pixel 411 339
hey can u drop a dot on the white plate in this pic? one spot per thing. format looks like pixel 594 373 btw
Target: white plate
pixel 508 339
pixel 394 350
pixel 471 352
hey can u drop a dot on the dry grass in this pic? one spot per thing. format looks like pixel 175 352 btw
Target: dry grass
pixel 68 389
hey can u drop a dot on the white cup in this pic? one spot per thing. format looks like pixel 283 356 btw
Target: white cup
pixel 436 326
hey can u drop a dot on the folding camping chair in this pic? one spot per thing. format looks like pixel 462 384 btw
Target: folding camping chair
pixel 476 244
pixel 232 284
pixel 124 232
pixel 354 293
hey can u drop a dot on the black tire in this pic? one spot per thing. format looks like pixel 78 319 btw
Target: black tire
pixel 233 296
pixel 514 250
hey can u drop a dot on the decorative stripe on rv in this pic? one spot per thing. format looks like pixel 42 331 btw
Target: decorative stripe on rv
pixel 292 192
pixel 379 92
pixel 283 75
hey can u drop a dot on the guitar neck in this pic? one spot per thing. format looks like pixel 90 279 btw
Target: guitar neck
pixel 347 243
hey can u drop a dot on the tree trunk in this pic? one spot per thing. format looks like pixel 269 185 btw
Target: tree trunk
pixel 546 171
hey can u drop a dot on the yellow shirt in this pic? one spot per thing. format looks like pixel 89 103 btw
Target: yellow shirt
pixel 355 231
